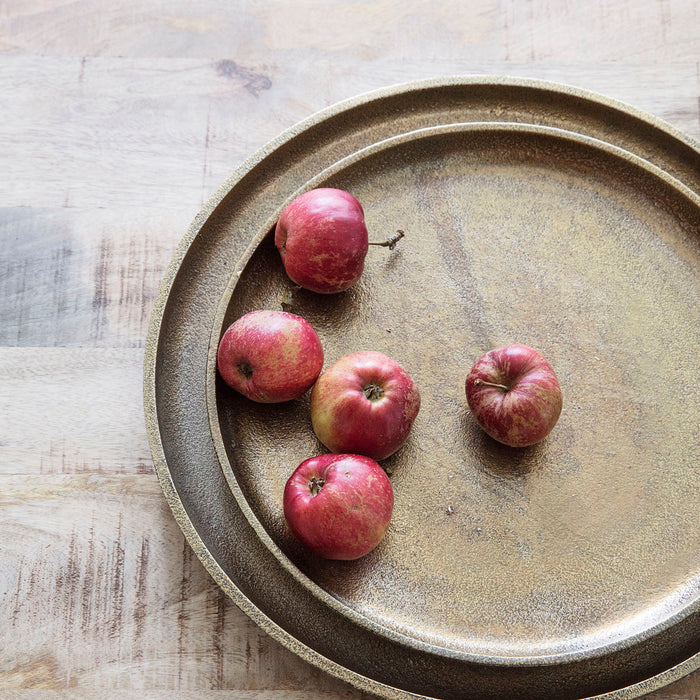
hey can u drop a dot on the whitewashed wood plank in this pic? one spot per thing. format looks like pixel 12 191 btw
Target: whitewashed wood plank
pixel 110 132
pixel 398 30
pixel 625 31
pixel 69 410
pixel 83 278
pixel 100 587
pixel 114 133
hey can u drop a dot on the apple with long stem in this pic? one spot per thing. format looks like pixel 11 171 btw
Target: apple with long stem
pixel 514 394
pixel 339 505
pixel 323 241
pixel 364 403
pixel 270 356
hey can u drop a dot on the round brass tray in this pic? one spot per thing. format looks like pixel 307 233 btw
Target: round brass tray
pixel 533 213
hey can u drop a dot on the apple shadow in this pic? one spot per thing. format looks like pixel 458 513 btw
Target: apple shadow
pixel 496 458
pixel 385 258
pixel 234 408
pixel 406 455
pixel 329 314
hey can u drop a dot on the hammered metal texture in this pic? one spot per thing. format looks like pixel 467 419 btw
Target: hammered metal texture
pixel 564 570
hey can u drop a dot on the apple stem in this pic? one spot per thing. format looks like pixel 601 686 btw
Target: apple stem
pixel 390 242
pixel 316 484
pixel 480 382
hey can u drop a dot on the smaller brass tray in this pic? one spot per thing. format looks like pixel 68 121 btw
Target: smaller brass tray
pixel 569 569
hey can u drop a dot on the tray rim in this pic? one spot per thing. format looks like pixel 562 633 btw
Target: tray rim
pixel 150 368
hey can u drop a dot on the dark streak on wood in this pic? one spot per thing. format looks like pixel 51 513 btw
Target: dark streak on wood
pixel 88 587
pixel 118 581
pixel 103 612
pixel 262 653
pixel 217 642
pixel 141 596
pixel 71 580
pixel 100 298
pixel 248 657
pixel 143 467
pixel 60 580
pixel 32 581
pixel 18 595
pixel 182 613
pixel 61 267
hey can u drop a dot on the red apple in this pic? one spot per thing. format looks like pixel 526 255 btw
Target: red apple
pixel 322 238
pixel 339 505
pixel 270 356
pixel 365 403
pixel 514 395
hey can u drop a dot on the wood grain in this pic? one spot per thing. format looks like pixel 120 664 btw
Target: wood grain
pixel 82 278
pixel 492 30
pixel 165 133
pixel 72 411
pixel 118 121
pixel 104 593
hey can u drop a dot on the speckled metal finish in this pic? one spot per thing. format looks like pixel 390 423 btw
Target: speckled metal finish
pixel 533 213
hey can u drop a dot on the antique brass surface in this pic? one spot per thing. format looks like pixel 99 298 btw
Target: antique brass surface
pixel 533 213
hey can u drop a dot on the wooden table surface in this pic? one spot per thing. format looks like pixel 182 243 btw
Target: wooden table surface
pixel 117 122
